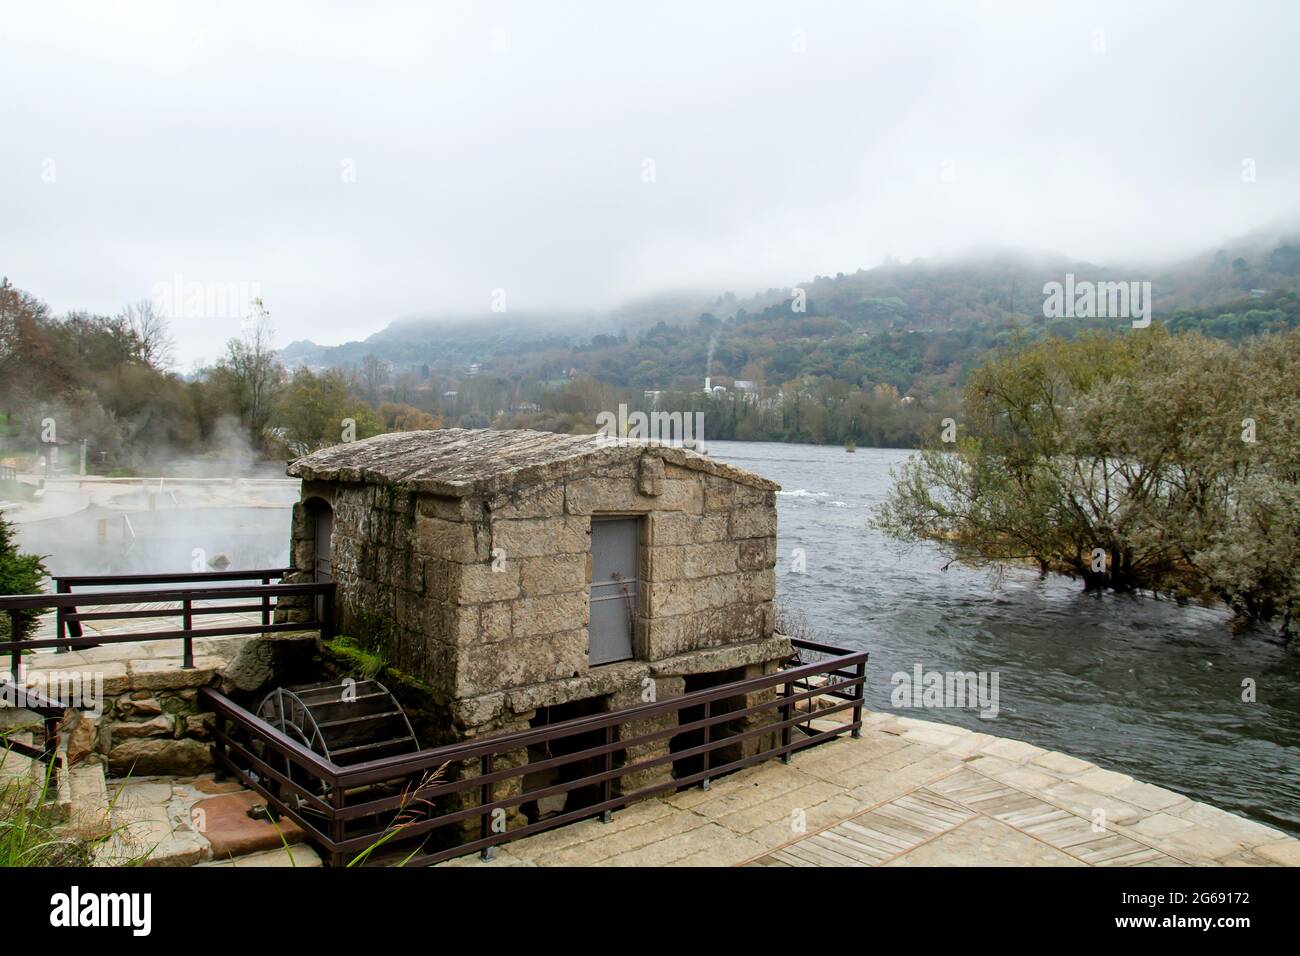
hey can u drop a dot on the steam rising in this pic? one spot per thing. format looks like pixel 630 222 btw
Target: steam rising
pixel 225 508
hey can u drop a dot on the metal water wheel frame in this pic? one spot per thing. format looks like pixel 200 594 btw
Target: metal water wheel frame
pixel 286 711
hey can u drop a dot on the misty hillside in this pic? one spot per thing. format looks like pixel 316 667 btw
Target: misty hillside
pixel 916 327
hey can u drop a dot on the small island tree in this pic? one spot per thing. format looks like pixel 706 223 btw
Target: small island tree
pixel 1156 462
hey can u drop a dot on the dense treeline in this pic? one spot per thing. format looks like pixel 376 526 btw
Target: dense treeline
pixel 918 329
pixel 879 357
pixel 105 380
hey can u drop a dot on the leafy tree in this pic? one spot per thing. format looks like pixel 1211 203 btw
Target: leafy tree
pixel 312 410
pixel 397 417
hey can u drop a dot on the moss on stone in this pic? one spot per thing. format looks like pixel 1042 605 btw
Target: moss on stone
pixel 178 706
pixel 345 656
pixel 344 652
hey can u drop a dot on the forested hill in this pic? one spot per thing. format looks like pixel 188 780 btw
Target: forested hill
pixel 878 357
pixel 916 328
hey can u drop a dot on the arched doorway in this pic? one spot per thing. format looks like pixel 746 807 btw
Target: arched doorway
pixel 322 523
pixel 320 518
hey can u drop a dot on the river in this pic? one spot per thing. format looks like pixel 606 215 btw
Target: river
pixel 1137 685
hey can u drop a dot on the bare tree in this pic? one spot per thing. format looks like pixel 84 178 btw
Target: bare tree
pixel 253 364
pixel 374 376
pixel 151 332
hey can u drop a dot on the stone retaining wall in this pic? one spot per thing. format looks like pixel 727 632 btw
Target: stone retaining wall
pixel 150 721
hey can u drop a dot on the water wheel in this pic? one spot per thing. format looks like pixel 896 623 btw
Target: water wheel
pixel 346 722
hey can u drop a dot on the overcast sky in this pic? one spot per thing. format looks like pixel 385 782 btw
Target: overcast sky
pixel 357 162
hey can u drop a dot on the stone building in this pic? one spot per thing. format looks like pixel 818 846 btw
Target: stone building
pixel 526 577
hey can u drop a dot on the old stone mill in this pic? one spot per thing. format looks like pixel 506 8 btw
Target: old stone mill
pixel 482 635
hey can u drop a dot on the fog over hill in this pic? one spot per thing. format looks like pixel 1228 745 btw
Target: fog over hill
pixel 984 286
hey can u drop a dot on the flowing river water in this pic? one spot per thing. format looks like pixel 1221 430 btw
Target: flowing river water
pixel 1137 685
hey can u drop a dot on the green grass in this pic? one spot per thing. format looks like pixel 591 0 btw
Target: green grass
pixel 413 808
pixel 30 832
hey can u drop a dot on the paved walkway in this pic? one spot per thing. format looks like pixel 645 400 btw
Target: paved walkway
pixel 195 821
pixel 46 627
pixel 914 793
pixel 908 793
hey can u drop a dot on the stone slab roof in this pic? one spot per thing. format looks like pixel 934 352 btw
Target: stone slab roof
pixel 459 462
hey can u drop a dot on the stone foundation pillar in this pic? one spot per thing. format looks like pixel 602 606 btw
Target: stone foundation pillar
pixel 761 742
pixel 469 830
pixel 666 688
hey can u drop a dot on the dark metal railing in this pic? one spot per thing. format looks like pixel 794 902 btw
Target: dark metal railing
pixel 51 714
pixel 350 810
pixel 186 602
pixel 69 622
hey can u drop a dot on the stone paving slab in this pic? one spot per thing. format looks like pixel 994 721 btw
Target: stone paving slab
pixel 229 825
pixel 164 821
pixel 913 793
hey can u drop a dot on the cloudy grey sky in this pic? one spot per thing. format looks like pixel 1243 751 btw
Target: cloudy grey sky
pixel 356 162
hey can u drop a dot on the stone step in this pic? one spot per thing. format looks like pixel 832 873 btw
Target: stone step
pixel 89 813
pixel 43 782
pixel 16 766
pixel 144 835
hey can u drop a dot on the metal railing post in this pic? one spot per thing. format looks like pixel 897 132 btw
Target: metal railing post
pixel 327 613
pixel 861 692
pixel 51 742
pixel 337 826
pixel 15 655
pixel 606 785
pixel 219 748
pixel 187 624
pixel 488 853
pixel 266 605
pixel 74 626
pixel 60 617
pixel 785 717
pixel 708 742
